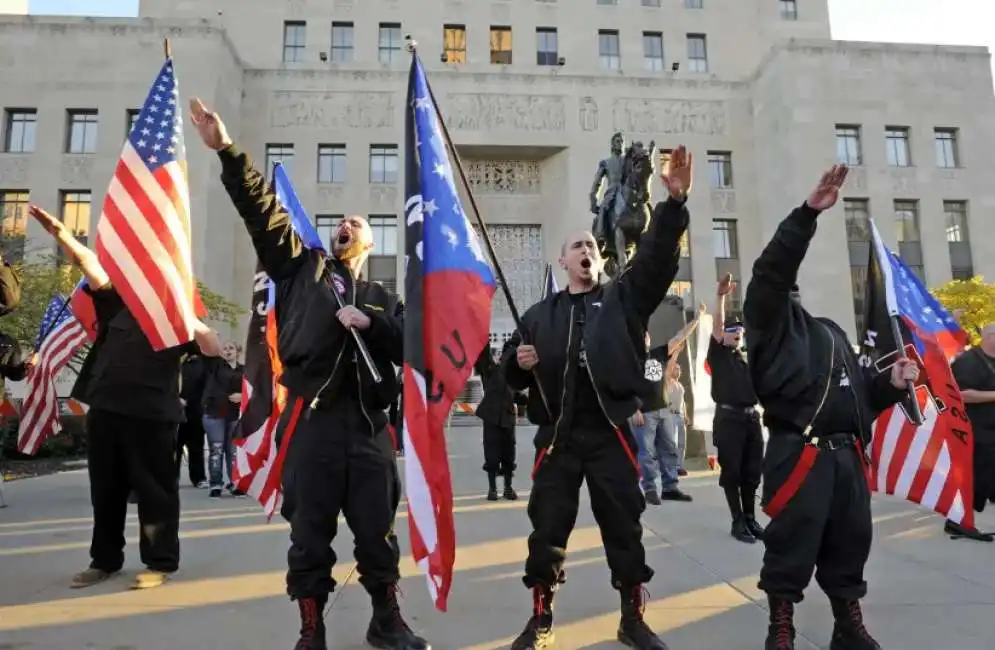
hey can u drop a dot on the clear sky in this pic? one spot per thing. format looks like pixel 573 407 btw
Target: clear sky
pixel 951 22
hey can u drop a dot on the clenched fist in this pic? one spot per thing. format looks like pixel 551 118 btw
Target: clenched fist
pixel 526 357
pixel 904 373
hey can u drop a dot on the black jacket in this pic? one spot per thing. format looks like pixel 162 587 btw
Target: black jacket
pixel 616 315
pixel 10 289
pixel 192 385
pixel 221 381
pixel 315 349
pixel 789 350
pixel 498 407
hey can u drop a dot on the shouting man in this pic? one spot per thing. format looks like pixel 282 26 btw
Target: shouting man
pixel 581 355
pixel 819 405
pixel 340 458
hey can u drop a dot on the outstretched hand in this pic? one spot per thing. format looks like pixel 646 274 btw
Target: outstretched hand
pixel 726 285
pixel 676 174
pixel 209 126
pixel 827 192
pixel 51 225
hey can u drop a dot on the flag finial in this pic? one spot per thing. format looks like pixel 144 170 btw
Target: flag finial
pixel 167 49
pixel 410 44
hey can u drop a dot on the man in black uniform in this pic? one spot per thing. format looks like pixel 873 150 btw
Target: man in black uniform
pixel 191 434
pixel 340 458
pixel 499 412
pixel 819 405
pixel 134 397
pixel 736 428
pixel 585 348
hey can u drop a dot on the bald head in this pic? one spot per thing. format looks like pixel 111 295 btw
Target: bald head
pixel 988 339
pixel 352 239
pixel 580 257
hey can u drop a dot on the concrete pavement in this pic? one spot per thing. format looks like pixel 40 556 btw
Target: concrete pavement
pixel 927 592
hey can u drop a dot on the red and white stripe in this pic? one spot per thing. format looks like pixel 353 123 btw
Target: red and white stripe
pixel 40 410
pixel 143 242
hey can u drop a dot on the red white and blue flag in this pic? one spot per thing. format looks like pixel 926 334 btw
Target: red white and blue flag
pixel 549 285
pixel 448 286
pixel 143 235
pixel 930 463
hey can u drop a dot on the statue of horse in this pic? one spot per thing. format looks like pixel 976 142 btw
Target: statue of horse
pixel 631 208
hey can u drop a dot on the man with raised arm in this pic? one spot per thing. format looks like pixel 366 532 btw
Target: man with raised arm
pixel 581 354
pixel 135 411
pixel 340 458
pixel 819 405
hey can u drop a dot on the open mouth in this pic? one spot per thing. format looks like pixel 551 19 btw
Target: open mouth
pixel 585 263
pixel 344 238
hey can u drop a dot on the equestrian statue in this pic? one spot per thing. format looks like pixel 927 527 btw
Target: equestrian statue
pixel 624 212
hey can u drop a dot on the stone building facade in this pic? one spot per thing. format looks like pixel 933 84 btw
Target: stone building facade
pixel 532 91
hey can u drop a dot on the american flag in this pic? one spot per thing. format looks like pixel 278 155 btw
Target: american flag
pixel 59 337
pixel 929 464
pixel 143 236
pixel 443 262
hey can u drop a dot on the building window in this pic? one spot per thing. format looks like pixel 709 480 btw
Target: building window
pixel 132 117
pixel 858 222
pixel 547 46
pixel 897 142
pixel 390 42
pixel 857 217
pixel 19 130
pixel 789 9
pixel 653 51
pixel 608 49
pixel 383 163
pixel 858 287
pixel 75 212
pixel 697 53
pixel 848 149
pixel 294 41
pixel 81 131
pixel 609 3
pixel 326 224
pixel 946 148
pixel 651 3
pixel 384 227
pixel 693 4
pixel 279 153
pixel 331 163
pixel 720 169
pixel 501 45
pixel 958 240
pixel 342 43
pixel 908 236
pixel 454 43
pixel 685 245
pixel 383 270
pixel 724 239
pixel 13 212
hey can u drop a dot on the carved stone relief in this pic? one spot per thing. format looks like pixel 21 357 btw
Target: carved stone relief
pixel 519 252
pixel 383 195
pixel 588 114
pixel 504 177
pixel 495 111
pixel 330 193
pixel 723 201
pixel 296 7
pixel 344 5
pixel 332 110
pixel 902 180
pixel 664 116
pixel 76 169
pixel 857 180
pixel 13 170
pixel 501 13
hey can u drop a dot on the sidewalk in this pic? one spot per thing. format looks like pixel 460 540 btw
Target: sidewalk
pixel 927 592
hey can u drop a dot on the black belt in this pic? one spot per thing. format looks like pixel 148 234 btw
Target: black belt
pixel 835 441
pixel 748 410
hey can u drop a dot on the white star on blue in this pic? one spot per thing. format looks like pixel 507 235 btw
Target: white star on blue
pixel 449 242
pixel 916 305
pixel 157 133
pixel 56 314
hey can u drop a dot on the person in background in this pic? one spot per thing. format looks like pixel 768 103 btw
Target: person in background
pixel 677 418
pixel 222 396
pixel 10 288
pixel 13 364
pixel 191 434
pixel 498 412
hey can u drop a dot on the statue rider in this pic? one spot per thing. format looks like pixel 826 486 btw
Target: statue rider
pixel 610 171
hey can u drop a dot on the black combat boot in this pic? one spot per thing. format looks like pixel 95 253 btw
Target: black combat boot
pixel 739 530
pixel 538 632
pixel 632 629
pixel 509 492
pixel 748 497
pixel 781 631
pixel 849 632
pixel 492 493
pixel 312 624
pixel 387 630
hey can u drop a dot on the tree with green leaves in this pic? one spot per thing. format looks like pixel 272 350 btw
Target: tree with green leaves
pixel 972 302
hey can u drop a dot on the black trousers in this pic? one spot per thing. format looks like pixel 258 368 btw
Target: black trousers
pixel 826 527
pixel 336 465
pixel 984 474
pixel 739 441
pixel 612 476
pixel 191 437
pixel 127 453
pixel 499 449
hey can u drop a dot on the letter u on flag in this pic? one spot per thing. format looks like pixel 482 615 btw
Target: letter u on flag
pixel 442 335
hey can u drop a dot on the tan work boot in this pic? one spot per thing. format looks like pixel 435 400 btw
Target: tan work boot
pixel 149 579
pixel 89 577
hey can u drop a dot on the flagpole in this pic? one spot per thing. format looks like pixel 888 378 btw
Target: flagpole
pixel 412 48
pixel 896 331
pixel 52 324
pixel 167 49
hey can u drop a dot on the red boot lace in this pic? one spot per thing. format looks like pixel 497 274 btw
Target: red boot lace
pixel 857 620
pixel 393 595
pixel 309 621
pixel 538 601
pixel 783 621
pixel 639 597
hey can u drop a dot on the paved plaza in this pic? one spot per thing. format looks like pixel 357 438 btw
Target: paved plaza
pixel 927 592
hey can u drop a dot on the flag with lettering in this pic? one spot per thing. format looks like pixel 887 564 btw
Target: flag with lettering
pixel 444 260
pixel 143 235
pixel 930 463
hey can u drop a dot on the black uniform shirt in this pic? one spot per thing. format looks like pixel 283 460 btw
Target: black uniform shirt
pixel 839 412
pixel 587 411
pixel 731 383
pixel 975 370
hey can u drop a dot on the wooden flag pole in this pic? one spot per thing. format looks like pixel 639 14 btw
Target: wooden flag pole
pixel 167 49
